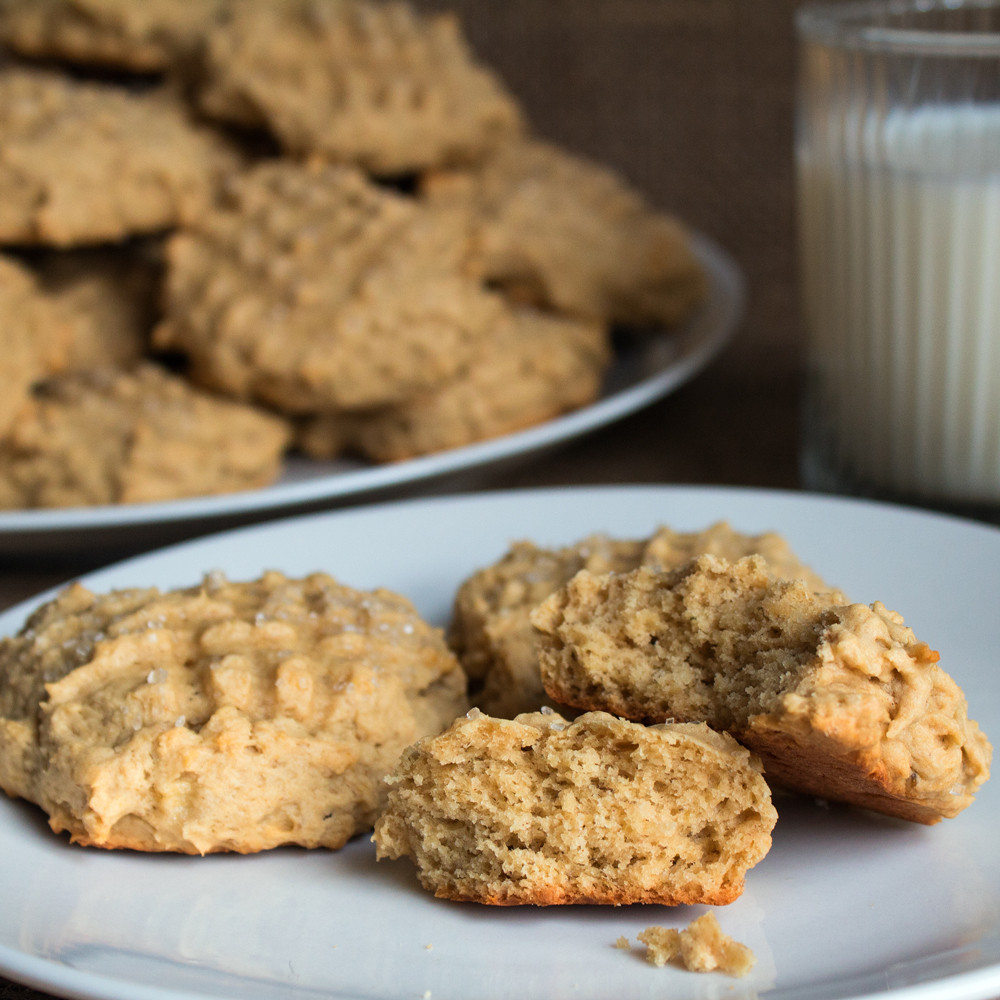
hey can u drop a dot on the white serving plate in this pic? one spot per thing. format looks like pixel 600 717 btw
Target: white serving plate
pixel 846 905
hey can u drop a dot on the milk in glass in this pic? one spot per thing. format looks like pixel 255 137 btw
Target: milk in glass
pixel 900 231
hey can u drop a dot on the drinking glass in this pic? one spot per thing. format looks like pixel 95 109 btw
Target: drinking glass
pixel 898 187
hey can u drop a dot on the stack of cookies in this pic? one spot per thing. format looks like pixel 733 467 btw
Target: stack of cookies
pixel 709 667
pixel 839 699
pixel 234 227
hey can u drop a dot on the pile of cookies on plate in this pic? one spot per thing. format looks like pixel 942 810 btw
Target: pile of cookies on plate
pixel 636 700
pixel 231 228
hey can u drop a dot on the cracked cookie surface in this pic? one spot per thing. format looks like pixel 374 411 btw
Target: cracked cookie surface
pixel 309 288
pixel 227 716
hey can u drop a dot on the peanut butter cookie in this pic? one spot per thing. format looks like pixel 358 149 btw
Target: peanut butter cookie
pixel 311 289
pixel 107 436
pixel 840 701
pixel 566 233
pixel 539 810
pixel 491 627
pixel 530 369
pixel 376 85
pixel 222 717
pixel 144 36
pixel 90 163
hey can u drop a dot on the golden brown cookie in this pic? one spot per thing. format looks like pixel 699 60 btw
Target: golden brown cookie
pixel 568 234
pixel 840 701
pixel 107 298
pixel 491 628
pixel 33 342
pixel 222 717
pixel 90 163
pixel 373 84
pixel 108 436
pixel 539 810
pixel 531 368
pixel 135 35
pixel 311 289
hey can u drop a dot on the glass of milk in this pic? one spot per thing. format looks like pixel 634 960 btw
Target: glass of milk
pixel 898 169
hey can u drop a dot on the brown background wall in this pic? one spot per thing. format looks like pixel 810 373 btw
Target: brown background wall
pixel 692 100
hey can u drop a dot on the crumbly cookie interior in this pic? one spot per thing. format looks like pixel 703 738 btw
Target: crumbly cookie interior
pixel 817 687
pixel 491 629
pixel 684 644
pixel 542 810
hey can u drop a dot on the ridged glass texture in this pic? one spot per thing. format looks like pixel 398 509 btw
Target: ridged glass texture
pixel 898 167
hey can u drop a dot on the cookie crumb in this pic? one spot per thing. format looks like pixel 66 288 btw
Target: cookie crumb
pixel 700 947
pixel 623 944
pixel 662 944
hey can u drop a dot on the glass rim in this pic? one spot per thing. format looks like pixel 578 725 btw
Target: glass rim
pixel 850 25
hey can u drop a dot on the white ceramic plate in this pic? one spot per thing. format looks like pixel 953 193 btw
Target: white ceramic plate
pixel 643 372
pixel 845 905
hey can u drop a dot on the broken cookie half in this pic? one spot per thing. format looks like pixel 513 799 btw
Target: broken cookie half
pixel 840 701
pixel 539 810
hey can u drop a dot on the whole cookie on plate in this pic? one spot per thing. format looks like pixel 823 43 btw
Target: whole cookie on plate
pixel 538 810
pixel 531 368
pixel 840 701
pixel 374 84
pixel 142 435
pixel 228 716
pixel 144 36
pixel 311 289
pixel 572 235
pixel 491 628
pixel 90 163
